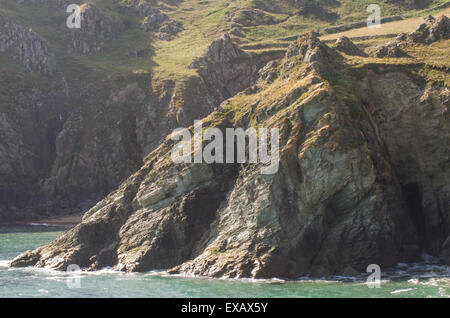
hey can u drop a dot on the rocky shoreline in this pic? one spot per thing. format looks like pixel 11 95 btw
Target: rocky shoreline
pixel 363 179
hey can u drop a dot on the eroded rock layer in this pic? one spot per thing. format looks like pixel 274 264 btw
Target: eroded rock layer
pixel 363 179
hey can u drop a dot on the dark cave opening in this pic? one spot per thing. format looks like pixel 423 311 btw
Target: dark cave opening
pixel 413 198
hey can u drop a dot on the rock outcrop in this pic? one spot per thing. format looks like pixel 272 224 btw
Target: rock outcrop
pixel 344 44
pixel 362 179
pixel 226 69
pixel 154 20
pixel 390 49
pixel 94 29
pixel 103 136
pixel 26 47
pixel 32 112
pixel 445 254
pixel 427 33
pixel 431 31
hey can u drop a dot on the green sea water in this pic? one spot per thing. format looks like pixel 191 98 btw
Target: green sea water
pixel 423 279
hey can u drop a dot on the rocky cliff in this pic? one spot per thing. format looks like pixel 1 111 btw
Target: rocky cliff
pixel 74 137
pixel 363 177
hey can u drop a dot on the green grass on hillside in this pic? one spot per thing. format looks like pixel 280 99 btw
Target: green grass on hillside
pixel 202 20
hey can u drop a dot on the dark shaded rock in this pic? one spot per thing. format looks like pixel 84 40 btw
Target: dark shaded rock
pixel 445 252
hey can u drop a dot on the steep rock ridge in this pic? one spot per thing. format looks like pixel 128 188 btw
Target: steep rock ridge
pixel 413 125
pixel 107 130
pixel 154 20
pixel 344 44
pixel 93 159
pixel 226 69
pixel 94 29
pixel 32 112
pixel 431 31
pixel 339 200
pixel 26 47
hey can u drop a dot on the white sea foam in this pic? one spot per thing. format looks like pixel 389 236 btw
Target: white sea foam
pixel 4 264
pixel 398 291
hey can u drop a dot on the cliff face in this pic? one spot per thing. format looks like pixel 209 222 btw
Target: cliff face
pixel 75 137
pixel 364 156
pixel 363 178
pixel 26 47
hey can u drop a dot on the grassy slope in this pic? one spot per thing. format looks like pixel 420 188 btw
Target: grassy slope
pixel 202 20
pixel 386 29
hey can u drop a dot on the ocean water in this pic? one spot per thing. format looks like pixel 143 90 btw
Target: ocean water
pixel 423 279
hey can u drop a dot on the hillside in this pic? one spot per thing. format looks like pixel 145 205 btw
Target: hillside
pixel 363 171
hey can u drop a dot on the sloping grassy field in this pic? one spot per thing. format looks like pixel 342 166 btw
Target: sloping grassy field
pixel 257 25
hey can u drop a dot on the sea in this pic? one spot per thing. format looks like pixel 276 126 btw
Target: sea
pixel 424 279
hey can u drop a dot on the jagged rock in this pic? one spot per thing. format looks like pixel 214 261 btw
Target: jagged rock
pixel 390 49
pixel 431 31
pixel 157 21
pixel 154 20
pixel 349 191
pixel 170 27
pixel 343 196
pixel 268 73
pixel 29 122
pixel 308 49
pixel 350 272
pixel 344 44
pixel 226 69
pixel 95 29
pixel 440 29
pixel 403 110
pixel 429 19
pixel 26 47
pixel 445 253
pixel 222 50
pixel 401 37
